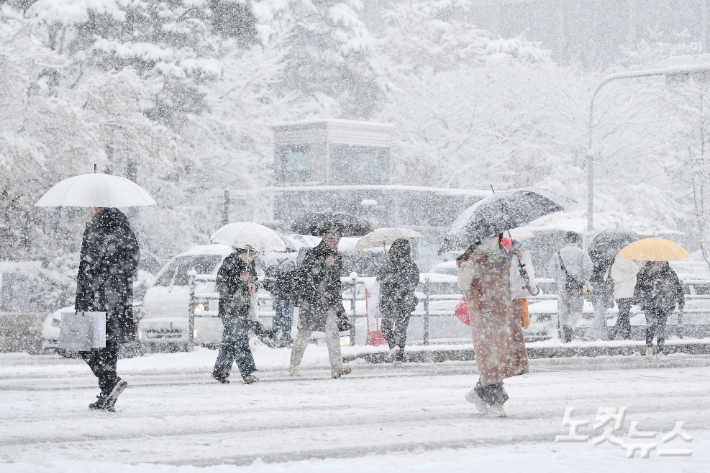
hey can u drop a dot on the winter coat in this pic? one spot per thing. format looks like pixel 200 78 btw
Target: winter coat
pixel 234 298
pixel 518 290
pixel 623 272
pixel 498 339
pixel 319 288
pixel 109 259
pixel 577 263
pixel 659 288
pixel 398 278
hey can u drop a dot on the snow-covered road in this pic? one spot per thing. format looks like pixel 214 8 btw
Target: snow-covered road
pixel 407 419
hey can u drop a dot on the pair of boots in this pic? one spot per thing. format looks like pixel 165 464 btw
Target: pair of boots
pixel 489 399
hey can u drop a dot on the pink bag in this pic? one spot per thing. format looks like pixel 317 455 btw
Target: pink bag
pixel 461 311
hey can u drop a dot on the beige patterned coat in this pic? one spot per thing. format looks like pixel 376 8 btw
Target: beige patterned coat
pixel 498 340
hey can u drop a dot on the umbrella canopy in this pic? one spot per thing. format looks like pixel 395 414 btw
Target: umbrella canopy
pixel 96 190
pixel 654 249
pixel 500 212
pixel 253 235
pixel 613 240
pixel 318 223
pixel 520 234
pixel 386 236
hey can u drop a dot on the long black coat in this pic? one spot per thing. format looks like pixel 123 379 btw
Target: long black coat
pixel 109 258
pixel 234 298
pixel 319 288
pixel 398 278
pixel 659 288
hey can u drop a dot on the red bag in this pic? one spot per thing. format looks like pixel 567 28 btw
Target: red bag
pixel 461 311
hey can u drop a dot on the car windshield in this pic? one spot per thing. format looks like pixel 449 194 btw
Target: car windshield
pixel 166 275
pixel 201 264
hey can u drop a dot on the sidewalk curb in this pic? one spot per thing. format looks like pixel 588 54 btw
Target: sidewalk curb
pixel 467 354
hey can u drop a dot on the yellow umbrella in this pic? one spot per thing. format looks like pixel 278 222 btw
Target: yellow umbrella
pixel 654 249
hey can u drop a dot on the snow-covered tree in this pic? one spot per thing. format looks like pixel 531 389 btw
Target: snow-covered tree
pixel 330 52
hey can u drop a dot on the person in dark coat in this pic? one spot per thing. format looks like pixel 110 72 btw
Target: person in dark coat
pixel 658 290
pixel 109 259
pixel 321 303
pixel 398 278
pixel 236 283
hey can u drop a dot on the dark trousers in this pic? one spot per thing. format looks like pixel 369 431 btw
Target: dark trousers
pixel 394 329
pixel 234 347
pixel 656 325
pixel 281 328
pixel 102 362
pixel 622 328
pixel 492 394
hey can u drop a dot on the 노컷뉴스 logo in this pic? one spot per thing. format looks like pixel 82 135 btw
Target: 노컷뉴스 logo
pixel 610 420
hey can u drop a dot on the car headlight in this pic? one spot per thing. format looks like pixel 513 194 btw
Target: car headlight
pixel 140 334
pixel 194 333
pixel 199 308
pixel 56 322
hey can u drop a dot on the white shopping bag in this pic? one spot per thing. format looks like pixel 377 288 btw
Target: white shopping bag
pixel 98 338
pixel 373 306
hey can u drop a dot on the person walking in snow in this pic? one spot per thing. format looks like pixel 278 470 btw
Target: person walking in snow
pixel 522 280
pixel 623 272
pixel 658 290
pixel 398 278
pixel 601 292
pixel 498 340
pixel 321 303
pixel 570 267
pixel 236 283
pixel 109 259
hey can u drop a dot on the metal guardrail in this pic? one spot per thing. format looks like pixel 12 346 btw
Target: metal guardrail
pixel 354 281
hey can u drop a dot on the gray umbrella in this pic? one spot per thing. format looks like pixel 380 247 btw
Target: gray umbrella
pixel 500 212
pixel 318 223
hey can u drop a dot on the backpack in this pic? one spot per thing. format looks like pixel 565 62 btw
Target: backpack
pixel 573 286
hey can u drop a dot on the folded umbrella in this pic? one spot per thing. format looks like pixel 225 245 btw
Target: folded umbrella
pixel 654 249
pixel 386 236
pixel 95 190
pixel 249 234
pixel 500 212
pixel 319 223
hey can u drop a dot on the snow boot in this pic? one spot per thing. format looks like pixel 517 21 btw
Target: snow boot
pixel 293 371
pixel 113 395
pixel 100 402
pixel 392 354
pixel 496 410
pixel 481 405
pixel 251 379
pixel 338 371
pixel 221 380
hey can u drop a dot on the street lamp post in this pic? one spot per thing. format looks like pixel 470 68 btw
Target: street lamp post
pixel 681 70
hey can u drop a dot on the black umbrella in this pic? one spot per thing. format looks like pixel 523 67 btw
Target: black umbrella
pixel 500 212
pixel 614 240
pixel 607 244
pixel 318 223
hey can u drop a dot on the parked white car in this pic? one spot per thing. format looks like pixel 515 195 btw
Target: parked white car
pixel 164 325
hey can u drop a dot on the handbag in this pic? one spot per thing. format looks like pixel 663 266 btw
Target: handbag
pixel 76 332
pixel 98 336
pixel 573 286
pixel 525 313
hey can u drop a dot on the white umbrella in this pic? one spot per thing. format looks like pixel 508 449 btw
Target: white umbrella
pixel 96 190
pixel 520 234
pixel 386 236
pixel 253 235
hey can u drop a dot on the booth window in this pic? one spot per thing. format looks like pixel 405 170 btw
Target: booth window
pixel 294 163
pixel 359 164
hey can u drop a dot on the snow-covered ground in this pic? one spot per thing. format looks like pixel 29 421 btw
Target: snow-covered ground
pixel 174 418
